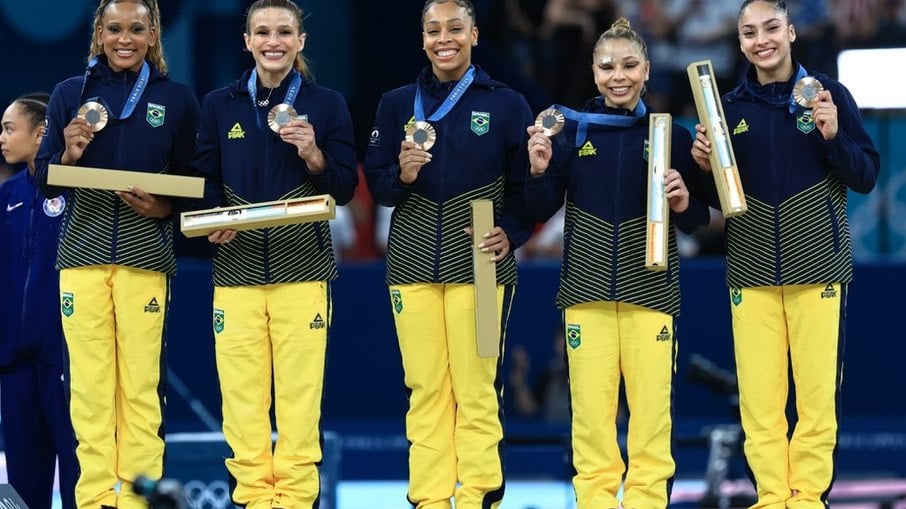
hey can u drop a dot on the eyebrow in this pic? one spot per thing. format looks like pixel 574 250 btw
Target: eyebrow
pixel 279 27
pixel 440 22
pixel 753 25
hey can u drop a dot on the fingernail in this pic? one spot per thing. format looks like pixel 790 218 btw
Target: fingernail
pixel 481 246
pixel 484 250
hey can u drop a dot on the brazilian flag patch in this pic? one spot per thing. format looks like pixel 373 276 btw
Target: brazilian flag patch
pixel 219 321
pixel 736 296
pixel 481 122
pixel 573 335
pixel 67 304
pixel 397 299
pixel 156 114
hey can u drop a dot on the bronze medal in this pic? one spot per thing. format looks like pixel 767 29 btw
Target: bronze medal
pixel 806 90
pixel 422 134
pixel 551 120
pixel 279 116
pixel 95 114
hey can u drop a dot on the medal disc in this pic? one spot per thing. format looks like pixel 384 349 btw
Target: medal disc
pixel 95 114
pixel 806 90
pixel 422 134
pixel 551 120
pixel 279 116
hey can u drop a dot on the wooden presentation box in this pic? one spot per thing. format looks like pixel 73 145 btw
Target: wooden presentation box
pixel 160 184
pixel 487 325
pixel 658 221
pixel 200 223
pixel 711 116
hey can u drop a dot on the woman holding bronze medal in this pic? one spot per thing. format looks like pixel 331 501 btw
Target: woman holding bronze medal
pixel 618 316
pixel 800 145
pixel 450 137
pixel 274 134
pixel 116 249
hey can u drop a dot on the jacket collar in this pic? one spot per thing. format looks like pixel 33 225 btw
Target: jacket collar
pixel 776 93
pixel 240 86
pixel 431 85
pixel 104 73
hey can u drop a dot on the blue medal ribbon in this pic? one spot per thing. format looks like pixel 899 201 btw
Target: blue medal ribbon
pixel 448 104
pixel 584 119
pixel 800 73
pixel 137 90
pixel 290 97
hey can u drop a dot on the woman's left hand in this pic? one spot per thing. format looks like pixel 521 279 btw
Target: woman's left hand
pixel 495 241
pixel 301 135
pixel 147 205
pixel 824 111
pixel 675 190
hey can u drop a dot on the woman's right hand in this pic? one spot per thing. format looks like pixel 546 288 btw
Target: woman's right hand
pixel 221 236
pixel 76 137
pixel 539 150
pixel 411 161
pixel 701 148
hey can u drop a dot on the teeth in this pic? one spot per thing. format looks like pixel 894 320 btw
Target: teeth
pixel 620 90
pixel 446 53
pixel 273 54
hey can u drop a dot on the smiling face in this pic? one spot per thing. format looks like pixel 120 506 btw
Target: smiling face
pixel 19 139
pixel 125 34
pixel 765 38
pixel 274 40
pixel 449 33
pixel 620 70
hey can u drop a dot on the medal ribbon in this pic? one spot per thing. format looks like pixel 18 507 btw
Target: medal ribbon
pixel 800 73
pixel 291 92
pixel 584 119
pixel 448 104
pixel 137 90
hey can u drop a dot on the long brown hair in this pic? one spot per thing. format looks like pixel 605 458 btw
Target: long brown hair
pixel 300 64
pixel 155 53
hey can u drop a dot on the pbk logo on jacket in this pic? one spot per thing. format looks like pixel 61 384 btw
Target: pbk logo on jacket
pixel 53 207
pixel 156 114
pixel 152 306
pixel 829 292
pixel 235 132
pixel 481 122
pixel 375 140
pixel 219 320
pixel 67 304
pixel 317 323
pixel 573 335
pixel 588 150
pixel 741 127
pixel 664 335
pixel 805 122
pixel 397 298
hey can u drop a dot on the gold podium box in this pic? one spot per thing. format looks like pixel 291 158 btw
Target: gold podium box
pixel 487 325
pixel 660 133
pixel 711 116
pixel 160 184
pixel 200 223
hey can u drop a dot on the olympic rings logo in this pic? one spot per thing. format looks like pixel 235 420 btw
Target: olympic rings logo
pixel 200 495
